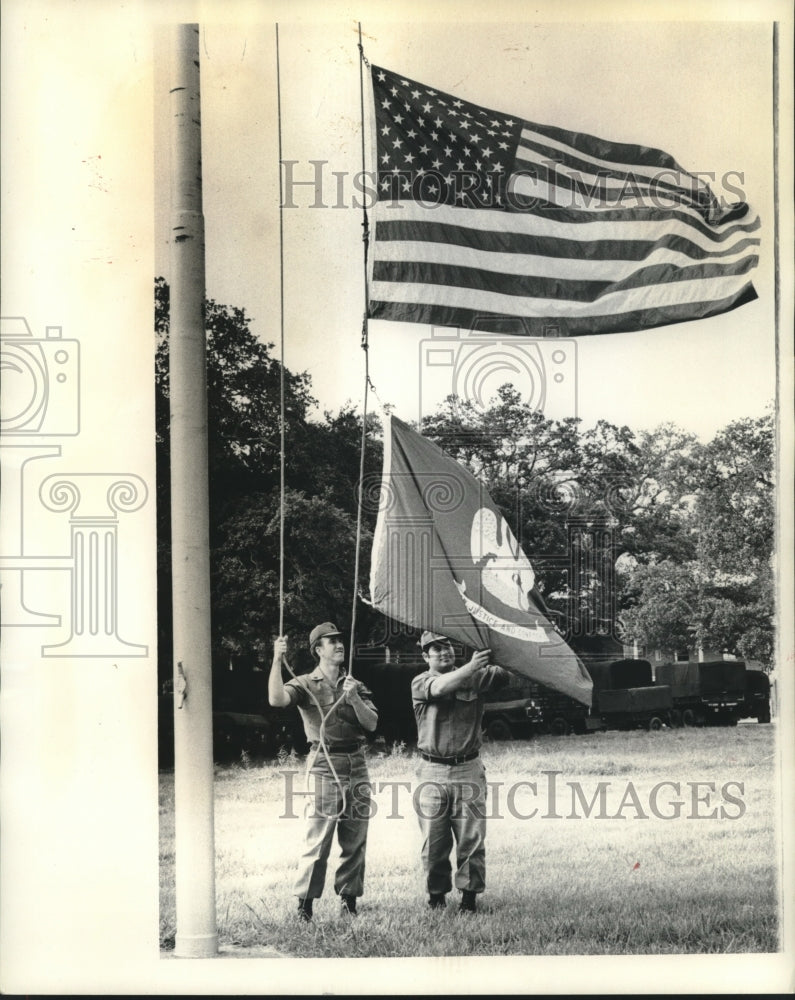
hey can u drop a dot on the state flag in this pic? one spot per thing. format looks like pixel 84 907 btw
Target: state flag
pixel 445 559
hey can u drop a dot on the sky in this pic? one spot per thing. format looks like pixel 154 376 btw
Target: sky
pixel 702 92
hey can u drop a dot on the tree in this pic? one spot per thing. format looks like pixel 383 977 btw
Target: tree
pixel 721 597
pixel 657 495
pixel 664 605
pixel 320 506
pixel 243 402
pixel 735 530
pixel 319 548
pixel 735 507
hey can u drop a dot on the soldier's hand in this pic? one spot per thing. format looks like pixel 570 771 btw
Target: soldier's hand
pixel 480 660
pixel 350 689
pixel 280 649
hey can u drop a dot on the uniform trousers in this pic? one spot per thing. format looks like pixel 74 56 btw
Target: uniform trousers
pixel 451 807
pixel 324 814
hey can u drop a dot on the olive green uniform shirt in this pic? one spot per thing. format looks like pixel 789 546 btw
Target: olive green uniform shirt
pixel 449 725
pixel 342 726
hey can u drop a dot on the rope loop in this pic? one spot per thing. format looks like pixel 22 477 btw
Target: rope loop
pixel 322 745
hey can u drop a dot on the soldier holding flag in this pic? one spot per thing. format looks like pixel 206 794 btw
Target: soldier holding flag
pixel 451 802
pixel 445 559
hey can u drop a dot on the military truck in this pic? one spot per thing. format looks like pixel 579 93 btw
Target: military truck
pixel 512 712
pixel 756 704
pixel 526 708
pixel 621 673
pixel 705 694
pixel 634 707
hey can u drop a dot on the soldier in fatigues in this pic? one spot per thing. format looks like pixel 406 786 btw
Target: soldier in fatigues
pixel 345 733
pixel 451 800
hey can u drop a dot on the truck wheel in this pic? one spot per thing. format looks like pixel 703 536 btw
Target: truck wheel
pixel 499 729
pixel 689 717
pixel 654 723
pixel 676 719
pixel 559 727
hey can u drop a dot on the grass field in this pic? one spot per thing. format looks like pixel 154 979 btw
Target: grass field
pixel 594 871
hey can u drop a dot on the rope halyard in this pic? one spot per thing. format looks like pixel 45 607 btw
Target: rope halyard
pixel 281 325
pixel 359 503
pixel 361 48
pixel 322 745
pixel 365 347
pixel 385 407
pixel 324 716
pixel 365 219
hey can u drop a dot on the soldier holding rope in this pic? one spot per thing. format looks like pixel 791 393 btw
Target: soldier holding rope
pixel 337 713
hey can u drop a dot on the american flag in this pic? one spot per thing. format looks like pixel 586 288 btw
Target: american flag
pixel 483 219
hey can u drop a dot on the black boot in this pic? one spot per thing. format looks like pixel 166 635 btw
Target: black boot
pixel 348 904
pixel 468 902
pixel 305 909
pixel 436 901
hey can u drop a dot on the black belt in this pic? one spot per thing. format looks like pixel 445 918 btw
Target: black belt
pixel 339 747
pixel 450 760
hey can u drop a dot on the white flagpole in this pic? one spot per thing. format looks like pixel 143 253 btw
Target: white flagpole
pixel 196 935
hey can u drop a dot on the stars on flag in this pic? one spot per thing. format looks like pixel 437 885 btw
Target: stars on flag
pixel 430 145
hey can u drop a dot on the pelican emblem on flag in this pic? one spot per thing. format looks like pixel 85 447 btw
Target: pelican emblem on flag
pixel 505 572
pixel 504 569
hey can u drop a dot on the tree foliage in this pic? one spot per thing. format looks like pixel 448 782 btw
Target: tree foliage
pixel 244 384
pixel 721 597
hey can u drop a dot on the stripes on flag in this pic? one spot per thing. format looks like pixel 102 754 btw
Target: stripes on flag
pixel 482 217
